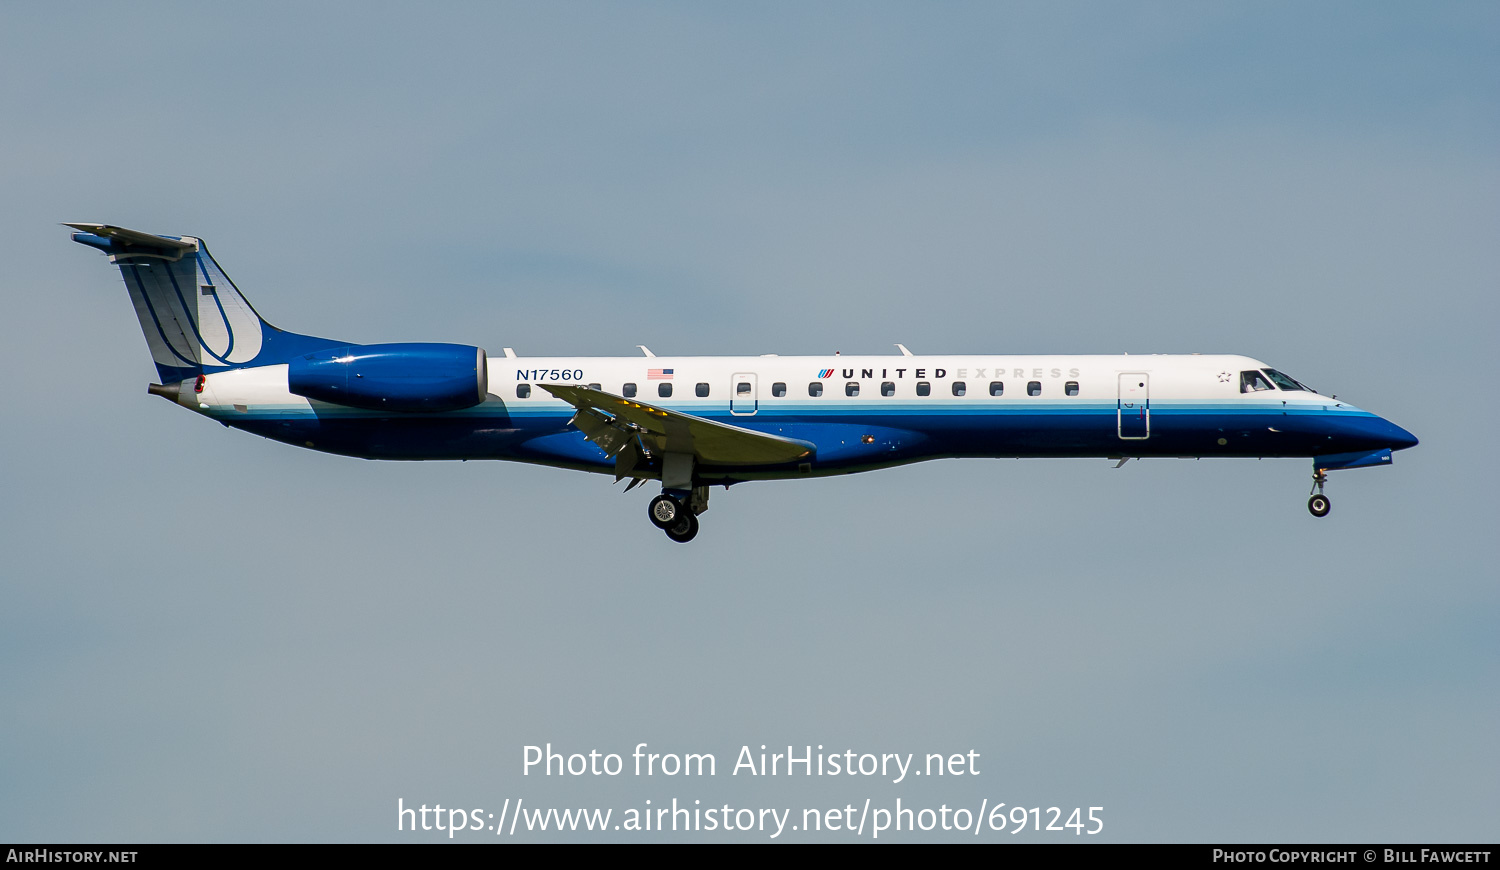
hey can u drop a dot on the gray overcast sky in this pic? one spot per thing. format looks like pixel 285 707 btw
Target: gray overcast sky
pixel 209 636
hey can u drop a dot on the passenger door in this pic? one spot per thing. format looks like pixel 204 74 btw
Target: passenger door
pixel 744 396
pixel 1133 408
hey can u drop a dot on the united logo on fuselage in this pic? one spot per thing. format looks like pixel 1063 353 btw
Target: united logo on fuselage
pixel 942 373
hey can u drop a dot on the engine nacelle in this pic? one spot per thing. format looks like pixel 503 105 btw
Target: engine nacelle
pixel 410 377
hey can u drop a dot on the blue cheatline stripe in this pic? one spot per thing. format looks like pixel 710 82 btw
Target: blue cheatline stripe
pixel 882 415
pixel 895 412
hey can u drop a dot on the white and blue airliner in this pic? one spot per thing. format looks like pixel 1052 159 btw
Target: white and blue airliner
pixel 696 422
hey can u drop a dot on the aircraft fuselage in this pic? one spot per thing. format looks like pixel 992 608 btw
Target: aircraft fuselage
pixel 695 422
pixel 861 412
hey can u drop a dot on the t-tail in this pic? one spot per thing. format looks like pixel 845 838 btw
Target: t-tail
pixel 195 319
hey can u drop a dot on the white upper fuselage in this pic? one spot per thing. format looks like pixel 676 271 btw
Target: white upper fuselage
pixel 881 382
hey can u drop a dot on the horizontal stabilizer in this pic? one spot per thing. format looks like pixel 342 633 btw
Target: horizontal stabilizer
pixel 132 238
pixel 612 421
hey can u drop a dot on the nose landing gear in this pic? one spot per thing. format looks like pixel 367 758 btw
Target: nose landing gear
pixel 1319 505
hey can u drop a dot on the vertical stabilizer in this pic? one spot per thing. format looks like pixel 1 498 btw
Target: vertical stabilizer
pixel 194 318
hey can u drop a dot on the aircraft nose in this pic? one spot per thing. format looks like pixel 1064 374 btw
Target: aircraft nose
pixel 1369 432
pixel 1400 439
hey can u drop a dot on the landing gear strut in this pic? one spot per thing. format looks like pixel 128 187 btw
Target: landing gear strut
pixel 1319 505
pixel 676 510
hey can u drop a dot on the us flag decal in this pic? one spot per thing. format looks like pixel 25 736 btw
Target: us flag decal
pixel 658 374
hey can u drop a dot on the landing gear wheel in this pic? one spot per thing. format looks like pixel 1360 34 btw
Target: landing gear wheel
pixel 665 511
pixel 685 530
pixel 1319 505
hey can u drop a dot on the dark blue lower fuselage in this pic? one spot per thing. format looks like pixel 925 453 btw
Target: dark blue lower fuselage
pixel 852 439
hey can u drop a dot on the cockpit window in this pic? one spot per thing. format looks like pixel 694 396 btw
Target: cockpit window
pixel 1285 382
pixel 1253 382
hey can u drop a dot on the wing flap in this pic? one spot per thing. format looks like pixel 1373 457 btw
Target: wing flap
pixel 615 423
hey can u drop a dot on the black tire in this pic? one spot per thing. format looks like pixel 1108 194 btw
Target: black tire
pixel 685 530
pixel 665 511
pixel 1319 505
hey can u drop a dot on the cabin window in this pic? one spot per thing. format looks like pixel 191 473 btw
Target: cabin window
pixel 1071 388
pixel 594 386
pixel 1034 388
pixel 924 388
pixel 742 389
pixel 523 391
pixel 778 389
pixel 1253 382
pixel 997 388
pixel 701 390
pixel 851 388
pixel 960 387
pixel 664 390
pixel 628 391
pixel 887 388
pixel 815 389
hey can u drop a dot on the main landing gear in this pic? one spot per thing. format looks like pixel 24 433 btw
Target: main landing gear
pixel 676 512
pixel 1319 505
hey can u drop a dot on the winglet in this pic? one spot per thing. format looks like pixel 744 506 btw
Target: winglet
pixel 646 350
pixel 904 351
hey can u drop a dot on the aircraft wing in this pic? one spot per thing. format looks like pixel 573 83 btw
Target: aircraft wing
pixel 622 427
